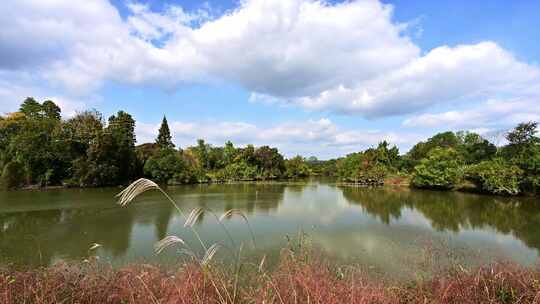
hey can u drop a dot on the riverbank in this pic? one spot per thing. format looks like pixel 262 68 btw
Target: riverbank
pixel 401 181
pixel 297 279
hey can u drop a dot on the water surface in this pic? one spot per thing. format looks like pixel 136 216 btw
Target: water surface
pixel 392 229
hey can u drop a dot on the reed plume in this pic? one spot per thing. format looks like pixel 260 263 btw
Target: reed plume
pixel 167 242
pixel 135 189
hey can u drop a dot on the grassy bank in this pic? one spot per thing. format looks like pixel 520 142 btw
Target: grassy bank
pixel 295 280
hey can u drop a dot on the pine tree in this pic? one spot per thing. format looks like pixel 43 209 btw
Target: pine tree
pixel 164 139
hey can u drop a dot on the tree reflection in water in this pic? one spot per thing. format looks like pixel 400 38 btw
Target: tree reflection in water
pixel 454 211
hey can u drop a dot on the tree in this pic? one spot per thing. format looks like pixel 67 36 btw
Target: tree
pixel 296 167
pixel 496 177
pixel 201 152
pixel 247 155
pixel 110 158
pixel 50 110
pixel 474 148
pixel 82 129
pixel 422 149
pixel 524 133
pixel 12 175
pixel 164 139
pixel 229 153
pixel 122 129
pixel 440 170
pixel 269 162
pixel 31 108
pixel 523 150
pixel 165 165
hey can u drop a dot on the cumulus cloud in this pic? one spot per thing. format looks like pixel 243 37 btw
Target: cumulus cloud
pixel 276 47
pixel 15 87
pixel 349 57
pixel 311 137
pixel 482 117
pixel 443 75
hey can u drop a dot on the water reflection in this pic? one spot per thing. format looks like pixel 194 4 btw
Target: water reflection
pixel 454 211
pixel 42 236
pixel 379 225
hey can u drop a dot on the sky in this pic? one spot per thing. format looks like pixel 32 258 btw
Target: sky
pixel 321 78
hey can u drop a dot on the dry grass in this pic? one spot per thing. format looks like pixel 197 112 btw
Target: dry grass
pixel 300 277
pixel 295 280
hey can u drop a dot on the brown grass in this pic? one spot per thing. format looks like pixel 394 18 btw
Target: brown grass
pixel 300 277
pixel 295 280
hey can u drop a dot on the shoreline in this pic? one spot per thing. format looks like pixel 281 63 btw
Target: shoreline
pixel 398 182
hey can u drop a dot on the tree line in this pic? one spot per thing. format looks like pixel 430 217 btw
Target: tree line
pixel 39 148
pixel 453 160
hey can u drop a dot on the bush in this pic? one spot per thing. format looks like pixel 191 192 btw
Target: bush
pixel 496 177
pixel 296 167
pixel 530 164
pixel 12 175
pixel 237 172
pixel 440 170
pixel 165 165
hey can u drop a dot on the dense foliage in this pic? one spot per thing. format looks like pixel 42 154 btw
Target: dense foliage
pixel 369 167
pixel 441 169
pixel 496 176
pixel 38 147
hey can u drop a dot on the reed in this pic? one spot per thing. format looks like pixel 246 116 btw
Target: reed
pixel 293 281
pixel 300 277
pixel 142 185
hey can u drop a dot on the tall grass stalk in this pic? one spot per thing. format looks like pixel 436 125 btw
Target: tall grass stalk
pixel 142 185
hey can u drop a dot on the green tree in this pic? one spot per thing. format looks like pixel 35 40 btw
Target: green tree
pixel 201 152
pixel 110 158
pixel 523 150
pixel 164 139
pixel 269 162
pixel 81 130
pixel 122 128
pixel 31 108
pixel 229 153
pixel 421 150
pixel 247 155
pixel 164 166
pixel 495 176
pixel 523 134
pixel 51 110
pixel 440 170
pixel 473 148
pixel 12 175
pixel 297 167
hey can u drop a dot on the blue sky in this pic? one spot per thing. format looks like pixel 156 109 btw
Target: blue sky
pixel 312 78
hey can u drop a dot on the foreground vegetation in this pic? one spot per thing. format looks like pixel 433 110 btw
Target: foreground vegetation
pixel 300 276
pixel 38 148
pixel 297 279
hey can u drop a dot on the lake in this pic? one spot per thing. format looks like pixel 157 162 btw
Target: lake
pixel 391 229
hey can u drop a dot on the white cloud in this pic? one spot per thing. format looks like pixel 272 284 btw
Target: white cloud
pixel 275 47
pixel 15 87
pixel 482 117
pixel 311 137
pixel 443 75
pixel 349 58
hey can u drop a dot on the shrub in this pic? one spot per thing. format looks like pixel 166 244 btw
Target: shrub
pixel 12 175
pixel 237 171
pixel 496 177
pixel 530 164
pixel 440 170
pixel 165 165
pixel 296 167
